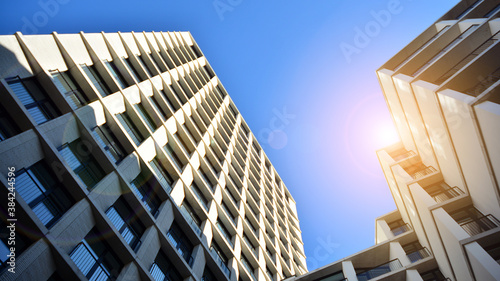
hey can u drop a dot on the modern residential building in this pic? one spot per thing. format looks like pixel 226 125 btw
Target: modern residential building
pixel 130 162
pixel 443 91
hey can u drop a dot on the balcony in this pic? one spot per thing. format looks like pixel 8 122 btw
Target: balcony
pixel 380 270
pixel 400 229
pixel 418 255
pixel 401 154
pixel 480 224
pixel 220 261
pixel 419 171
pixel 191 219
pixel 442 192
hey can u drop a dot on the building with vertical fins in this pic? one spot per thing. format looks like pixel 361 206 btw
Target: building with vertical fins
pixel 443 92
pixel 129 161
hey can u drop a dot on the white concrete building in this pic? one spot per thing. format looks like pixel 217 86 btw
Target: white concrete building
pixel 132 163
pixel 443 91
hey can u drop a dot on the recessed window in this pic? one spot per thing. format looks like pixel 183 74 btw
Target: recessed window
pixel 163 269
pixel 34 99
pixel 96 79
pixel 43 192
pixel 126 222
pixel 179 240
pixel 130 128
pixel 162 174
pixel 116 73
pixel 146 189
pixel 95 258
pixel 108 141
pixel 67 86
pixel 8 127
pixel 77 155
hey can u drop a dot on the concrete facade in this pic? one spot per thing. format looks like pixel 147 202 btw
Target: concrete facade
pixel 132 163
pixel 443 92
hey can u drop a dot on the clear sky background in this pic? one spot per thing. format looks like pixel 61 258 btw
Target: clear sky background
pixel 303 77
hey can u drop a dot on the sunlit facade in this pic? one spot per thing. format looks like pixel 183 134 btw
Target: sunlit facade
pixel 130 162
pixel 443 92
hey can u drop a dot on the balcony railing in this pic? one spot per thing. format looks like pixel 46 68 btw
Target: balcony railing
pixel 248 268
pixel 220 261
pixel 447 194
pixel 401 229
pixel 403 155
pixel 380 270
pixel 423 173
pixel 191 220
pixel 181 248
pixel 418 255
pixel 480 225
pixel 225 234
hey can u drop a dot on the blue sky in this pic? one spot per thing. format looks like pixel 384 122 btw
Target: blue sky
pixel 302 73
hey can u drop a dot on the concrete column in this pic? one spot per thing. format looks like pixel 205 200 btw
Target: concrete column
pixel 199 261
pixel 129 272
pixel 149 248
pixel 483 265
pixel 397 252
pixel 413 275
pixel 349 271
pixel 165 217
pixel 383 232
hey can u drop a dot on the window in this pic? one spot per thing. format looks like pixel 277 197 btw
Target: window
pixel 208 275
pixel 181 243
pixel 163 270
pixel 107 140
pixel 220 257
pixel 8 127
pixel 96 79
pixel 143 64
pixel 269 274
pixel 130 128
pixel 173 105
pixel 77 155
pixel 145 116
pixel 162 174
pixel 41 190
pixel 201 198
pixel 146 190
pixel 222 228
pixel 126 222
pixel 132 69
pixel 337 276
pixel 68 87
pixel 191 216
pixel 22 243
pixel 158 108
pixel 173 155
pixel 95 259
pixel 247 265
pixel 34 99
pixel 116 74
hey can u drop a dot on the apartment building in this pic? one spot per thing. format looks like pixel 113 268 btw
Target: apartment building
pixel 443 91
pixel 130 161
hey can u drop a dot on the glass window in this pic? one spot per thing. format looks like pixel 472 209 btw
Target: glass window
pixel 145 116
pixel 107 140
pixel 132 69
pixel 146 189
pixel 130 128
pixel 126 222
pixel 162 174
pixel 180 242
pixel 41 190
pixel 8 127
pixel 116 73
pixel 96 79
pixel 79 158
pixel 162 269
pixel 34 99
pixel 95 259
pixel 68 87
